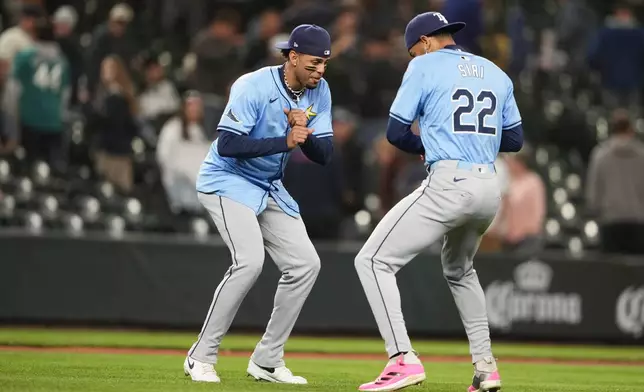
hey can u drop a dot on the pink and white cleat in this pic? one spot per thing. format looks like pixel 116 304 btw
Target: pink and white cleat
pixel 486 376
pixel 401 371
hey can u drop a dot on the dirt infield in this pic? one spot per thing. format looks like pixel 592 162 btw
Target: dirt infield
pixel 312 355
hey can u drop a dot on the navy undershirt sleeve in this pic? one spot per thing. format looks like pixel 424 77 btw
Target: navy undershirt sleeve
pixel 243 146
pixel 512 139
pixel 319 150
pixel 400 135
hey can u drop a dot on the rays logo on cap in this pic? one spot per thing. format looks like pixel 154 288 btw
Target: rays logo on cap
pixel 440 17
pixel 327 52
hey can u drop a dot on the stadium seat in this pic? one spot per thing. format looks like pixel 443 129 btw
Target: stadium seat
pixel 200 228
pixel 575 247
pixel 5 172
pixel 591 233
pixel 72 223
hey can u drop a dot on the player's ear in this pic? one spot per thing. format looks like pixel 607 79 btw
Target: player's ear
pixel 293 57
pixel 427 44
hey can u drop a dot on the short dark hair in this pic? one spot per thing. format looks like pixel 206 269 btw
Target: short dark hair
pixel 621 122
pixel 285 53
pixel 441 35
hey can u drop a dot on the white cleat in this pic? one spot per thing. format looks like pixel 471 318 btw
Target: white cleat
pixel 199 371
pixel 280 375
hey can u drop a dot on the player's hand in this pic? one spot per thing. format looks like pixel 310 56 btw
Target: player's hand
pixel 296 117
pixel 297 136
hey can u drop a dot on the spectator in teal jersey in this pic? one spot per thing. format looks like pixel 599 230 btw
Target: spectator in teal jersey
pixel 38 95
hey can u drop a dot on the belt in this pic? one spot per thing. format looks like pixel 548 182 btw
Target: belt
pixel 462 165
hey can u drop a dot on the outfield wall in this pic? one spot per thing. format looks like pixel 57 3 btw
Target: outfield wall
pixel 169 283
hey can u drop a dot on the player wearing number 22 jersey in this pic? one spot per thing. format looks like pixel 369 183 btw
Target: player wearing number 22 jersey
pixel 466 111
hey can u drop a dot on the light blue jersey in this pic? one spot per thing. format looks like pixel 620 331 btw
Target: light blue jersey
pixel 463 102
pixel 256 108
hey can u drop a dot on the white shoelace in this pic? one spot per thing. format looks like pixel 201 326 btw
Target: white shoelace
pixel 207 368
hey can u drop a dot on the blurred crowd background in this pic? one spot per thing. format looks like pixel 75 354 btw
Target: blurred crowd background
pixel 141 84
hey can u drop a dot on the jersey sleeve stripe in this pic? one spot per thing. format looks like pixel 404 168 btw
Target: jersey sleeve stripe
pixel 400 118
pixel 513 125
pixel 324 134
pixel 230 129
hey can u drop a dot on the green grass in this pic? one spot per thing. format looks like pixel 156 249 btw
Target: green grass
pixel 48 371
pixel 182 341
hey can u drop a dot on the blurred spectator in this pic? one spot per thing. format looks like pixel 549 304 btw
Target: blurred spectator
pixel 21 36
pixel 257 49
pixel 8 124
pixel 615 188
pixel 380 80
pixel 389 162
pixel 519 222
pixel 192 12
pixel 617 52
pixel 320 201
pixel 575 24
pixel 274 55
pixel 64 21
pixel 308 11
pixel 492 241
pixel 109 39
pixel 470 12
pixel 38 97
pixel 345 49
pixel 160 99
pixel 113 117
pixel 181 149
pixel 349 155
pixel 345 34
pixel 218 48
pixel 519 44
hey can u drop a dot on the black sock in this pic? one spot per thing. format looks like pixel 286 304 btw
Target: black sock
pixel 399 353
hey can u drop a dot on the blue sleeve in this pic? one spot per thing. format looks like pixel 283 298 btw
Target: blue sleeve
pixel 240 114
pixel 318 150
pixel 511 115
pixel 512 139
pixel 320 114
pixel 230 144
pixel 400 135
pixel 408 101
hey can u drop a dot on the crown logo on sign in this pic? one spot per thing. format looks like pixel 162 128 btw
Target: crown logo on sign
pixel 533 275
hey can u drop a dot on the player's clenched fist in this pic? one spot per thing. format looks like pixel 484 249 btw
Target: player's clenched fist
pixel 298 135
pixel 296 117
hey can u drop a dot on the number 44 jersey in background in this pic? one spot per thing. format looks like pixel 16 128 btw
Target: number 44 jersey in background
pixel 462 102
pixel 45 81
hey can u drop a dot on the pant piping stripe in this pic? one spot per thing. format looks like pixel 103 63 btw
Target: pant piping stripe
pixel 230 273
pixel 373 262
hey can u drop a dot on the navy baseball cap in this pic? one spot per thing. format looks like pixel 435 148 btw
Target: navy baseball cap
pixel 429 23
pixel 308 39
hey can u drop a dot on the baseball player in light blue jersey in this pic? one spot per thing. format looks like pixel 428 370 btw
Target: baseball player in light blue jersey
pixel 269 113
pixel 467 113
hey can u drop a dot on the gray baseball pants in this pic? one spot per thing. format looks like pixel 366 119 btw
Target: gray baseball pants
pixel 457 201
pixel 247 235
